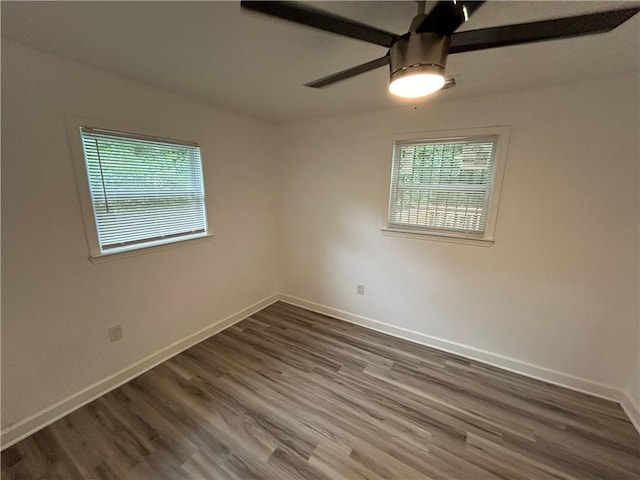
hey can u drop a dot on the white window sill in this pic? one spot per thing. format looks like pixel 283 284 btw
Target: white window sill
pixel 118 254
pixel 438 237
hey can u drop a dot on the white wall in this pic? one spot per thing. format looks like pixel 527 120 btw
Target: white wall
pixel 633 391
pixel 558 291
pixel 56 305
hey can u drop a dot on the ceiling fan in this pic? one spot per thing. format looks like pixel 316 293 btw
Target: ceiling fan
pixel 417 59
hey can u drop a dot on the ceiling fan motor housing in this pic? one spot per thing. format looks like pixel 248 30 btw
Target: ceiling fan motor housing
pixel 419 53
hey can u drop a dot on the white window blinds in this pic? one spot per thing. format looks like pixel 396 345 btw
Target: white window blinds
pixel 144 190
pixel 442 185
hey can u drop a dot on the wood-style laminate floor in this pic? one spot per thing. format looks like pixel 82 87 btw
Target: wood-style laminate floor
pixel 292 394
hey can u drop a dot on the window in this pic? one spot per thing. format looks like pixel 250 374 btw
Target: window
pixel 447 185
pixel 144 191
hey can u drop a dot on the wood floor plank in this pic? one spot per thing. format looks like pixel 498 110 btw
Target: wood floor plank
pixel 292 394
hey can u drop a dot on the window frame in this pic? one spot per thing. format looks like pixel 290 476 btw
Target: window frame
pixel 488 237
pixel 96 255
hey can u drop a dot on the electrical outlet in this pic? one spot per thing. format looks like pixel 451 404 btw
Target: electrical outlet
pixel 115 333
pixel 360 289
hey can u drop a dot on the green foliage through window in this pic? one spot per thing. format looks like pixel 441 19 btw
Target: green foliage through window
pixel 442 185
pixel 143 190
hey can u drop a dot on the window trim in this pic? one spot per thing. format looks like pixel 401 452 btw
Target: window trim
pixel 487 239
pixel 74 124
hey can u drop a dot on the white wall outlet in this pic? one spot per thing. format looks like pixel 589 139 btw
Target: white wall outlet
pixel 360 289
pixel 115 333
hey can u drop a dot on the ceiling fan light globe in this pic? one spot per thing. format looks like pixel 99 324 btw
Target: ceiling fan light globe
pixel 416 85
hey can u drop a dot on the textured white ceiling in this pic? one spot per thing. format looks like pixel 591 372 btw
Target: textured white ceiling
pixel 256 65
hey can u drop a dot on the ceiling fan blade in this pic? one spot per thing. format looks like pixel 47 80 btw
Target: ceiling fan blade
pixel 446 16
pixel 503 36
pixel 349 72
pixel 313 17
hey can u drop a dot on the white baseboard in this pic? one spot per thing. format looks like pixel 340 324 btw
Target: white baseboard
pixel 555 377
pixel 23 428
pixel 632 410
